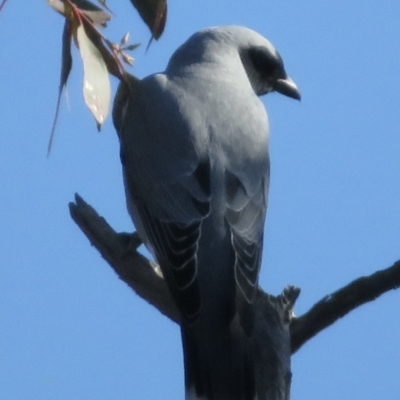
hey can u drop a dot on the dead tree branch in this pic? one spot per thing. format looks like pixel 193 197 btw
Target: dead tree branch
pixel 119 250
pixel 336 305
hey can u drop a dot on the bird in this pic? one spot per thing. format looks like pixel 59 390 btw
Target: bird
pixel 195 160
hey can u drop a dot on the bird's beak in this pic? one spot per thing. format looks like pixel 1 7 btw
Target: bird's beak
pixel 288 88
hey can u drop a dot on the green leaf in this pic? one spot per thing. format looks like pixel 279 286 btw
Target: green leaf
pixel 153 13
pixel 66 66
pixel 96 83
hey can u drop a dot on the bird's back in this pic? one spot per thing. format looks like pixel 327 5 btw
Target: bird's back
pixel 194 146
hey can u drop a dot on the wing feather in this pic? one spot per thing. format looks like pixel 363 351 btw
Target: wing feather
pixel 245 215
pixel 167 183
pixel 175 249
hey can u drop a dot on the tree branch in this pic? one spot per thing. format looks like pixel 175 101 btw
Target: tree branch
pixel 274 313
pixel 119 250
pixel 336 305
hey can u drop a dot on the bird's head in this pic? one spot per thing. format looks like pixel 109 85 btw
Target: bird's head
pixel 239 47
pixel 266 72
pixel 262 63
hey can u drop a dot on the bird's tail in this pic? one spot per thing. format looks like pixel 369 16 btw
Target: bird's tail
pixel 218 362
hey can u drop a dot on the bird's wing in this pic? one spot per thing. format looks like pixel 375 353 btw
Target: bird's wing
pixel 168 184
pixel 175 244
pixel 245 214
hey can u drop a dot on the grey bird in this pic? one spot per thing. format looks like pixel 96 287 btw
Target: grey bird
pixel 194 151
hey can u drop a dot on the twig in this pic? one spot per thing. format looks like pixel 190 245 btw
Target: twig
pixel 336 305
pixel 119 250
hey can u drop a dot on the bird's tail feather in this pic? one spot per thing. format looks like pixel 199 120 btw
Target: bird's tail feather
pixel 218 362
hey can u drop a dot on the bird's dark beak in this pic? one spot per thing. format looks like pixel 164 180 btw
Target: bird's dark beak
pixel 288 88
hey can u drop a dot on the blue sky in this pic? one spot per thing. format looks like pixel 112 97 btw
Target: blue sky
pixel 69 329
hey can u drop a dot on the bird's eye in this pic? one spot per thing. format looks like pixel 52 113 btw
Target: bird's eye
pixel 266 63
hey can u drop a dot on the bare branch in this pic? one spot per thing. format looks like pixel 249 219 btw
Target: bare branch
pixel 274 314
pixel 119 250
pixel 336 305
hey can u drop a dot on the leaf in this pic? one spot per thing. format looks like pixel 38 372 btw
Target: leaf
pixel 86 5
pixel 131 47
pixel 3 3
pixel 153 13
pixel 57 5
pixel 124 39
pixel 103 3
pixel 111 61
pixel 95 13
pixel 96 83
pixel 66 65
pixel 127 59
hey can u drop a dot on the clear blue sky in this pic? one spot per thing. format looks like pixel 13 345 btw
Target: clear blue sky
pixel 69 329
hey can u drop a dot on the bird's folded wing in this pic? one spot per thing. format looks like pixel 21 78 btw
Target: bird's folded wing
pixel 175 244
pixel 245 215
